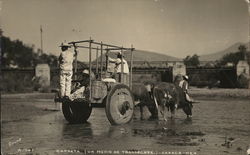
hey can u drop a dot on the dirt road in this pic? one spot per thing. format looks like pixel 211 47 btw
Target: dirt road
pixel 30 126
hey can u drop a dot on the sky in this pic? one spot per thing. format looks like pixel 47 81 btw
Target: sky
pixel 174 27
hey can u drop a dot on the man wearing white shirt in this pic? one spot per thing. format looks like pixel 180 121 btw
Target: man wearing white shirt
pixel 118 69
pixel 66 59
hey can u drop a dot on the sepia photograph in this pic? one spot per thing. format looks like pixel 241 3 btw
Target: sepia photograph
pixel 125 77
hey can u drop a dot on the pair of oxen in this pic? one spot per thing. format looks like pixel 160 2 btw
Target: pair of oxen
pixel 160 97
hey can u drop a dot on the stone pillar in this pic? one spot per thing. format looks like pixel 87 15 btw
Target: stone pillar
pixel 42 72
pixel 242 67
pixel 243 77
pixel 179 68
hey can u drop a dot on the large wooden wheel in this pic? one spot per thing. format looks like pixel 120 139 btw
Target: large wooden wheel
pixel 119 105
pixel 76 112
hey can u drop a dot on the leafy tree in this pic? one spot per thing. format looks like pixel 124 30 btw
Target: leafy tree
pixel 192 60
pixel 50 59
pixel 234 57
pixel 16 53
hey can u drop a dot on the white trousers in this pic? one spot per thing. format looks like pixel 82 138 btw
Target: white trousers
pixel 65 83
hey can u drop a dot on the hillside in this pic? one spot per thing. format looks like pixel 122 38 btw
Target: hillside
pixel 141 55
pixel 218 55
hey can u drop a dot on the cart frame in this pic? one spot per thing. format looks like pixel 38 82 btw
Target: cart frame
pixel 100 46
pixel 116 97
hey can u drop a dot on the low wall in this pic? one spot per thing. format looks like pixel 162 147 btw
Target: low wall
pixel 22 80
pixel 17 80
pixel 224 77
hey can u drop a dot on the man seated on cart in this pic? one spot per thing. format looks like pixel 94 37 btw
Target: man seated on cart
pixel 118 74
pixel 79 91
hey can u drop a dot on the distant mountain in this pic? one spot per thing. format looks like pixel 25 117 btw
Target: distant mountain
pixel 218 55
pixel 141 55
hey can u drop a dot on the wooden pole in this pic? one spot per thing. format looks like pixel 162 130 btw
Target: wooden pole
pixel 107 61
pixel 41 31
pixel 97 63
pixel 75 64
pixel 90 70
pixel 131 68
pixel 248 3
pixel 122 67
pixel 101 60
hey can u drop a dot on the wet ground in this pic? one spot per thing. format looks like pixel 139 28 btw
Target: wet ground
pixel 33 126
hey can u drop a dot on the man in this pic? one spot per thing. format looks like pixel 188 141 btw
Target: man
pixel 184 85
pixel 118 68
pixel 79 90
pixel 66 59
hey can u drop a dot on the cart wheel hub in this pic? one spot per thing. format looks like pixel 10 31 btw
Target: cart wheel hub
pixel 124 107
pixel 119 105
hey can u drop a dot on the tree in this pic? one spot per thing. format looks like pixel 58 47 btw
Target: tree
pixel 50 59
pixel 234 57
pixel 16 53
pixel 192 61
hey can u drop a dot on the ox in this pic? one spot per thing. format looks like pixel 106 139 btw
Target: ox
pixel 160 97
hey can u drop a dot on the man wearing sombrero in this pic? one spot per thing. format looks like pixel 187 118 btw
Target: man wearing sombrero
pixel 66 65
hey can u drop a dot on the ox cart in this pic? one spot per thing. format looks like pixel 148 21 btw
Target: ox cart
pixel 102 91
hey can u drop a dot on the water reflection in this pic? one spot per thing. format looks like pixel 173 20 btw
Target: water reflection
pixel 90 130
pixel 188 120
pixel 77 130
pixel 119 131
